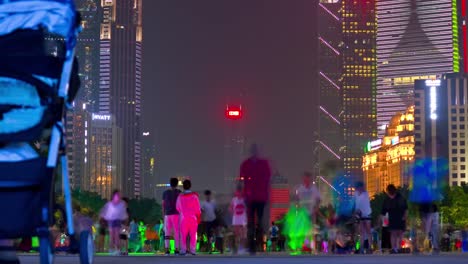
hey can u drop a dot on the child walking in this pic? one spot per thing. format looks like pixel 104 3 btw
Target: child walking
pixel 239 220
pixel 114 212
pixel 188 206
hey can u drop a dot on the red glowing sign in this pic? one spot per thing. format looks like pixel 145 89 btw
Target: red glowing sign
pixel 233 113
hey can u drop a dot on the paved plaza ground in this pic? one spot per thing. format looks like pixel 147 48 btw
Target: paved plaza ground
pixel 451 258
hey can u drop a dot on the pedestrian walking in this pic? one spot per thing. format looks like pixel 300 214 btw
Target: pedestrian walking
pixel 256 174
pixel 430 174
pixel 308 197
pixel 397 208
pixel 363 211
pixel 114 212
pixel 238 209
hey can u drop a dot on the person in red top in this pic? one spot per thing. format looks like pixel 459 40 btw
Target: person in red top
pixel 256 175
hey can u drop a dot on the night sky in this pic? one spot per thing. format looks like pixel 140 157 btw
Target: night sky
pixel 200 55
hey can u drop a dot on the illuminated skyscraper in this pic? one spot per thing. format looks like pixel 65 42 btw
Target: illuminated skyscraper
pixel 441 119
pixel 75 132
pixel 330 138
pixel 103 155
pixel 120 81
pixel 359 81
pixel 416 39
pixel 87 52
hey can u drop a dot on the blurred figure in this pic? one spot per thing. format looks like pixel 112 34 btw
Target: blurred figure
pixel 188 205
pixel 238 209
pixel 219 241
pixel 171 216
pixel 150 238
pixel 363 211
pixel 342 201
pixel 114 212
pixel 125 228
pixel 397 208
pixel 157 228
pixel 331 229
pixel 256 174
pixel 386 241
pixel 274 234
pixel 308 197
pixel 429 179
pixel 208 209
pixel 101 234
pixel 134 237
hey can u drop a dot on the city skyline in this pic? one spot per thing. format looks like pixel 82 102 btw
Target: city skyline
pixel 195 67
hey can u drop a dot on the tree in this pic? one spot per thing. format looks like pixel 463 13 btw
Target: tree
pixel 146 210
pixel 454 207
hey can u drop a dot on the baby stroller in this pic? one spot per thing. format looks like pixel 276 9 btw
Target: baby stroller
pixel 38 81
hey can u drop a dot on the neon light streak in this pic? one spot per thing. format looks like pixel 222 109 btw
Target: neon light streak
pixel 329 46
pixel 326 182
pixel 456 52
pixel 465 40
pixel 329 149
pixel 330 115
pixel 330 80
pixel 329 12
pixel 465 51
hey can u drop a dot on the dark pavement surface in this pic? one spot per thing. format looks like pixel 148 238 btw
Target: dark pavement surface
pixel 270 259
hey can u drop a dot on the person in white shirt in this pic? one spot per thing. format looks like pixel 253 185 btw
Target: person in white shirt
pixel 208 208
pixel 238 209
pixel 362 209
pixel 308 197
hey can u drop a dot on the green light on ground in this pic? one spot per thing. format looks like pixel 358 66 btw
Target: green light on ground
pixel 172 245
pixel 298 227
pixel 35 242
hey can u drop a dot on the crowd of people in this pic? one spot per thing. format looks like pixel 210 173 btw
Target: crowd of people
pixel 346 225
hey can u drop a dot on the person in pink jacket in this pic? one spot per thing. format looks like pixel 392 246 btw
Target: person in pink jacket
pixel 188 206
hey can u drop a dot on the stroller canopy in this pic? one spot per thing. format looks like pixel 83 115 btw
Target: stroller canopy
pixel 57 16
pixel 32 77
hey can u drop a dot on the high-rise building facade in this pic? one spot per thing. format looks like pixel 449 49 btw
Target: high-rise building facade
pixel 389 160
pixel 103 155
pixel 358 82
pixel 329 139
pixel 75 134
pixel 463 35
pixel 87 52
pixel 120 81
pixel 441 119
pixel 416 39
pixel 329 136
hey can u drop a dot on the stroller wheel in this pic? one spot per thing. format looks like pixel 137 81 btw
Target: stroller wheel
pixel 45 250
pixel 86 248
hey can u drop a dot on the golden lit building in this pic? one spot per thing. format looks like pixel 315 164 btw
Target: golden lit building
pixel 389 160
